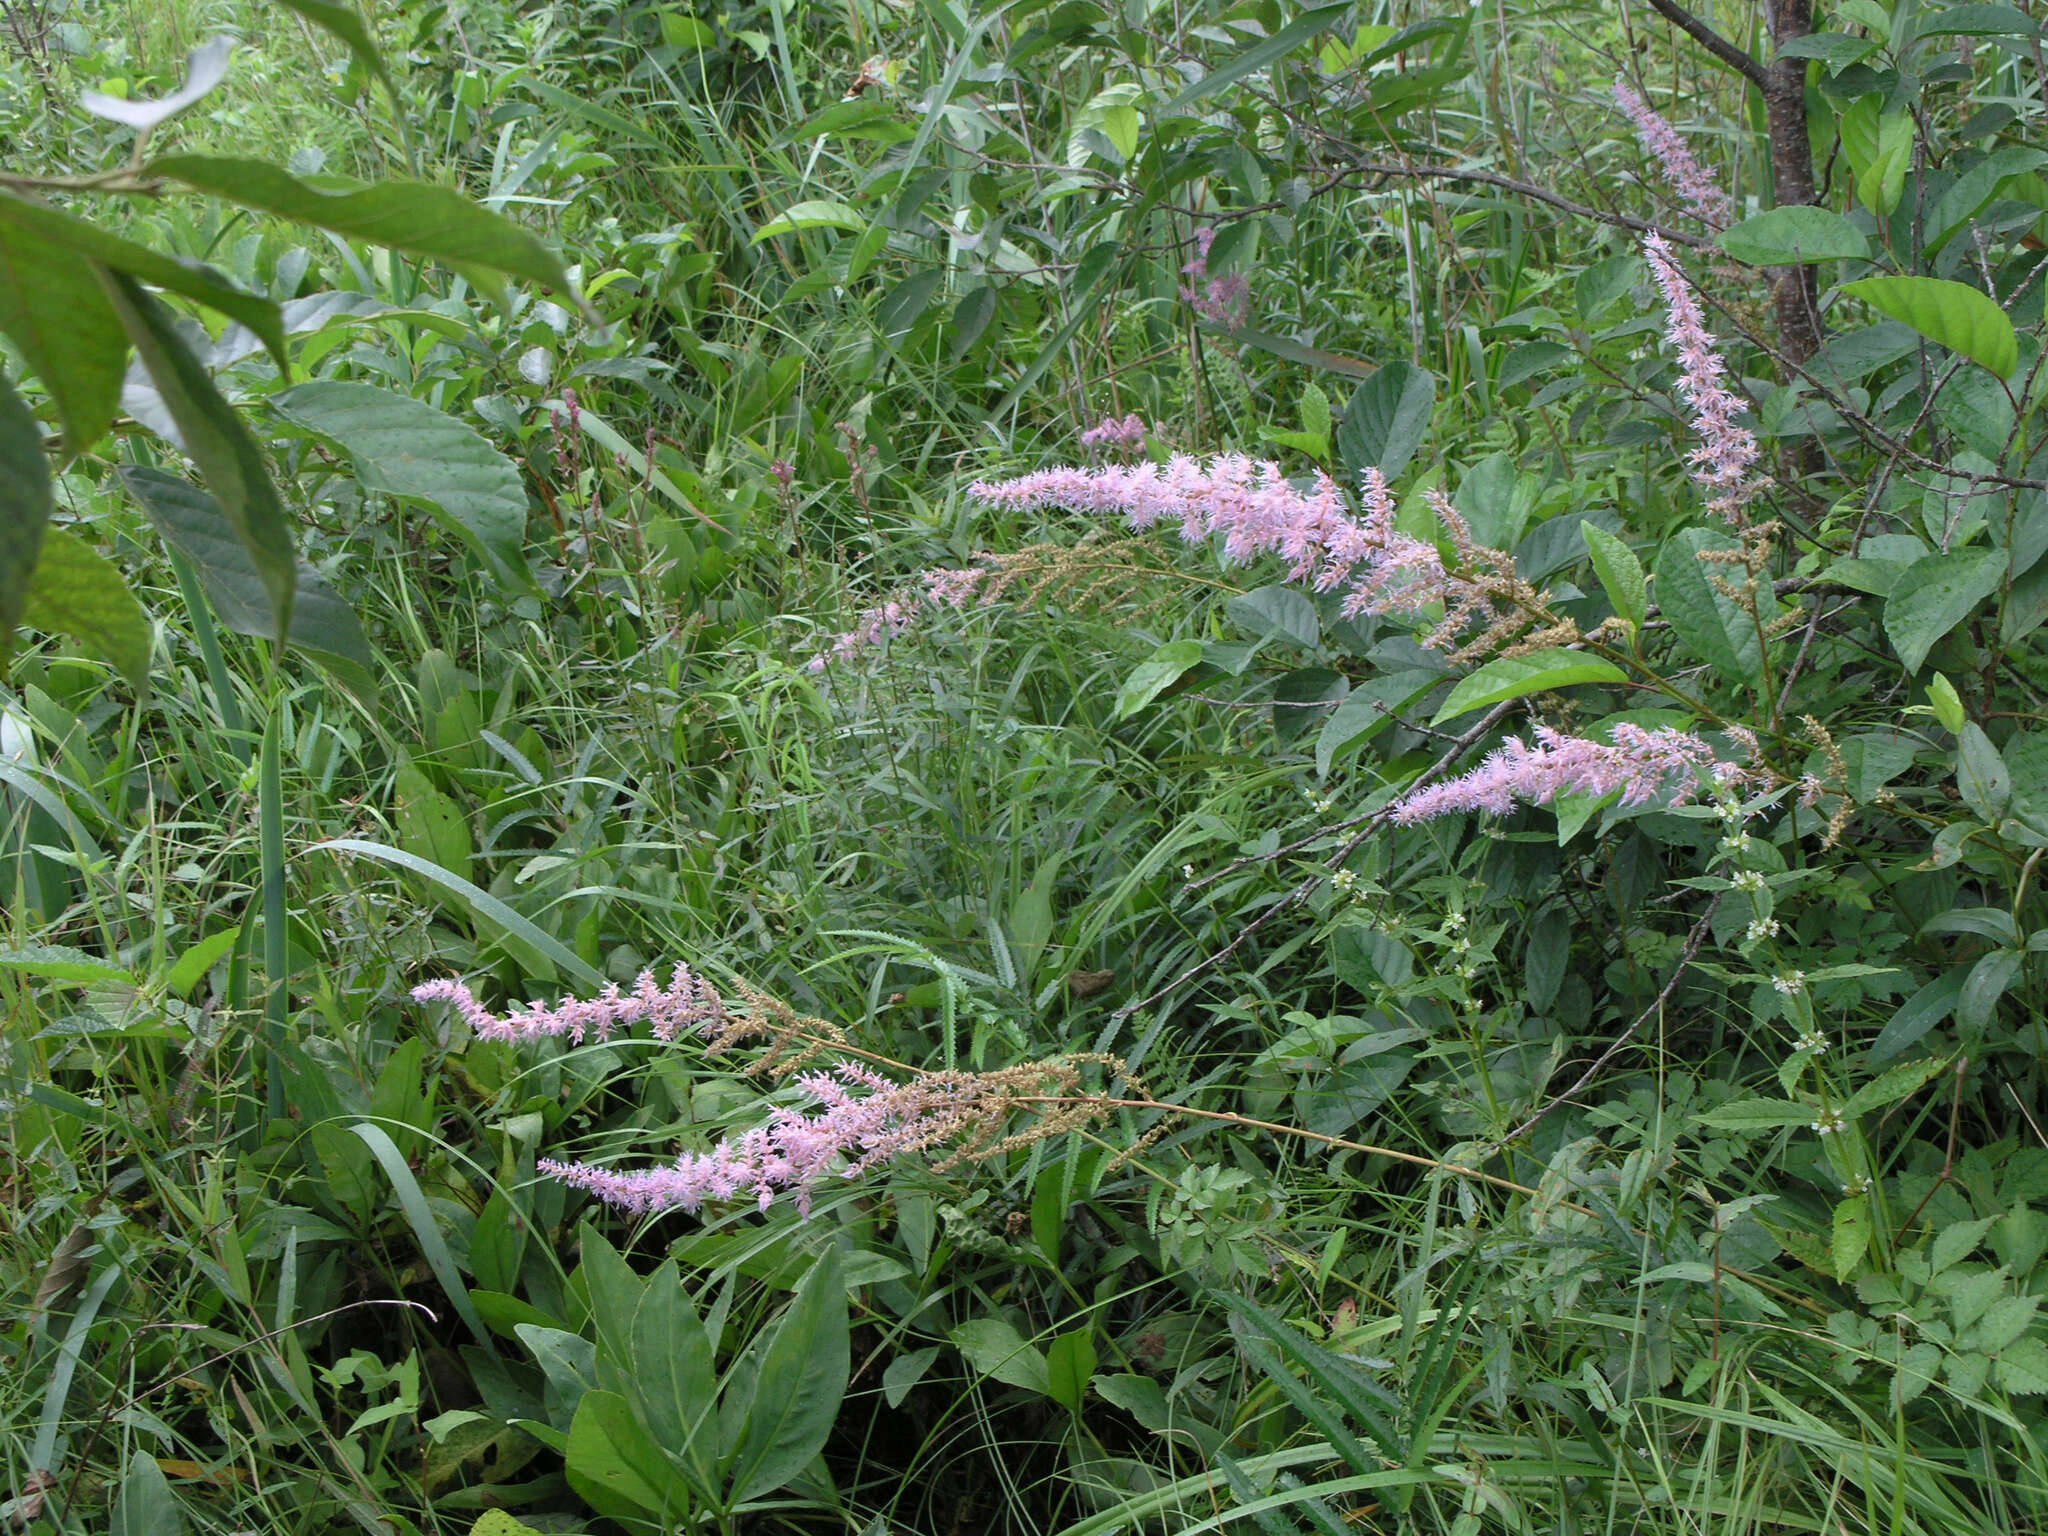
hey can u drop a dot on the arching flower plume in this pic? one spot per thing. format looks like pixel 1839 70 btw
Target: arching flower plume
pixel 1724 463
pixel 1645 765
pixel 1694 183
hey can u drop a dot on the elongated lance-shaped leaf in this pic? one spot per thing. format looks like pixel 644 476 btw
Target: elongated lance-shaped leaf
pixel 75 237
pixel 1270 1344
pixel 323 624
pixel 223 448
pixel 436 222
pixel 25 504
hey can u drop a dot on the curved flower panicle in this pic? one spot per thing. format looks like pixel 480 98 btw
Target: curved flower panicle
pixel 1645 765
pixel 1724 463
pixel 687 1005
pixel 1693 182
pixel 1126 433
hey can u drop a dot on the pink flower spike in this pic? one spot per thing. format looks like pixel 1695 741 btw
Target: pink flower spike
pixel 1644 765
pixel 1693 182
pixel 1723 464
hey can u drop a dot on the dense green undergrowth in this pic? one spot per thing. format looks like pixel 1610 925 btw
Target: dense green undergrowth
pixel 1659 1162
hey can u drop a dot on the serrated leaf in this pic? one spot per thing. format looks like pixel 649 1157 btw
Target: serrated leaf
pixel 60 962
pixel 77 592
pixel 406 216
pixel 1712 624
pixel 1784 237
pixel 1900 1082
pixel 234 467
pixel 26 502
pixel 404 447
pixel 1515 677
pixel 52 308
pixel 2023 1368
pixel 1849 1238
pixel 1755 1114
pixel 1957 316
pixel 1277 611
pixel 817 213
pixel 1935 595
pixel 323 624
pixel 1620 572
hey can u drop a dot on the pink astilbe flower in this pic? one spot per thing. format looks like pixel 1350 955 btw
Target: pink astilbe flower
pixel 1222 301
pixel 1257 511
pixel 1693 182
pixel 864 1120
pixel 1127 433
pixel 1725 461
pixel 687 1005
pixel 1644 765
pixel 901 614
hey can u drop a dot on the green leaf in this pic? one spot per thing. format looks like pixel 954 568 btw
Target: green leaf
pixel 1277 612
pixel 404 215
pixel 77 592
pixel 616 1467
pixel 1850 1239
pixel 60 962
pixel 346 24
pixel 323 624
pixel 815 214
pixel 672 1378
pixel 26 502
pixel 1901 1082
pixel 1917 1015
pixel 145 1506
pixel 1981 774
pixel 1989 980
pixel 1387 419
pixel 1620 572
pixel 1935 595
pixel 1977 21
pixel 804 1365
pixel 404 447
pixel 1515 677
pixel 1263 56
pixel 1713 625
pixel 191 967
pixel 1755 1114
pixel 1369 709
pixel 1157 673
pixel 217 441
pixel 419 1215
pixel 26 219
pixel 995 1348
pixel 1069 1363
pixel 52 308
pixel 1959 317
pixel 430 825
pixel 1785 237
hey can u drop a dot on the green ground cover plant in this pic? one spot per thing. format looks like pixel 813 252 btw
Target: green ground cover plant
pixel 1060 768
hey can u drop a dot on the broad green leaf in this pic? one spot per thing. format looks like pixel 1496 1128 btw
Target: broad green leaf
pixel 60 962
pixel 145 1506
pixel 1515 677
pixel 1974 188
pixel 1989 980
pixel 1387 419
pixel 1277 612
pixel 1981 774
pixel 672 1377
pixel 205 68
pixel 1263 56
pixel 77 592
pixel 25 505
pixel 804 1364
pixel 1620 572
pixel 431 221
pixel 27 219
pixel 864 117
pixel 1784 237
pixel 1959 317
pixel 190 968
pixel 52 308
pixel 1368 709
pixel 347 24
pixel 1900 1082
pixel 323 624
pixel 1977 21
pixel 995 1348
pixel 234 467
pixel 616 1467
pixel 430 825
pixel 818 213
pixel 1935 595
pixel 1713 625
pixel 1070 1362
pixel 404 447
pixel 1917 1015
pixel 1157 673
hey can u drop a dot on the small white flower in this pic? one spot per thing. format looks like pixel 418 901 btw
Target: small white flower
pixel 1860 1185
pixel 1187 871
pixel 1739 842
pixel 1812 1041
pixel 1344 879
pixel 1759 929
pixel 1453 921
pixel 1830 1121
pixel 1791 984
pixel 1321 804
pixel 1748 880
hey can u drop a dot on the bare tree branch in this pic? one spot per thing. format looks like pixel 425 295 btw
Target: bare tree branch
pixel 1744 63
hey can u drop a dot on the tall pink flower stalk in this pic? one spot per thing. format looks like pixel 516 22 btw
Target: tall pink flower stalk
pixel 891 620
pixel 1644 765
pixel 1696 186
pixel 1724 463
pixel 1256 510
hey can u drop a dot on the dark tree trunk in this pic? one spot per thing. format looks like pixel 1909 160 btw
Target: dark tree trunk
pixel 1795 292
